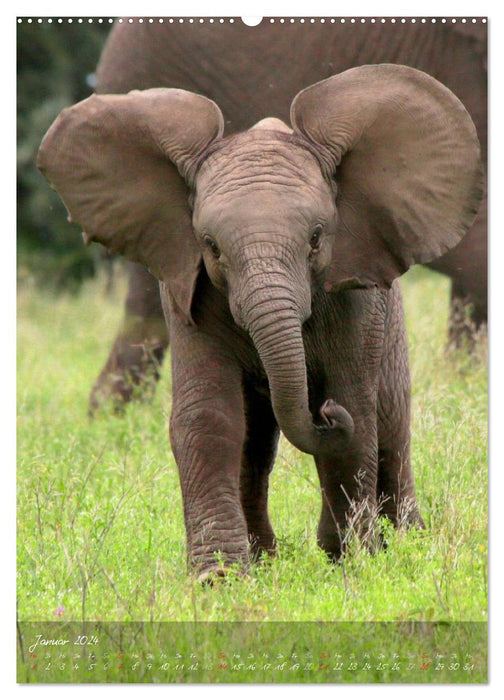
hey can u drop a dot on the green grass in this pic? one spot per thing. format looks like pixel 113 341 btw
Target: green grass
pixel 100 527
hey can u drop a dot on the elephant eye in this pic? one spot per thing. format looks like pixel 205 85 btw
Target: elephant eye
pixel 316 236
pixel 212 245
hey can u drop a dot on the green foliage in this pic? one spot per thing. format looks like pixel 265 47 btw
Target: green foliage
pixel 55 65
pixel 100 526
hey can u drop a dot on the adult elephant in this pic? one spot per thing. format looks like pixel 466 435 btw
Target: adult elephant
pixel 278 250
pixel 253 71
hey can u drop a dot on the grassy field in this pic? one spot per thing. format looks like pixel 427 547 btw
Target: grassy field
pixel 100 528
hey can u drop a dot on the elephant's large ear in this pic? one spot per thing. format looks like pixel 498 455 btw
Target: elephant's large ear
pixel 122 164
pixel 405 156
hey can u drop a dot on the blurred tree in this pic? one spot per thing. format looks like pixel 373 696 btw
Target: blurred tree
pixel 55 68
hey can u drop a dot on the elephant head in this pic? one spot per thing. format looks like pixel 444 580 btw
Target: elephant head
pixel 381 170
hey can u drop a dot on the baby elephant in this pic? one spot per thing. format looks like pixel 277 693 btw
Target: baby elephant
pixel 277 251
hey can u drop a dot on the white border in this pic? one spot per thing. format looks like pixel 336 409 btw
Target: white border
pixel 277 8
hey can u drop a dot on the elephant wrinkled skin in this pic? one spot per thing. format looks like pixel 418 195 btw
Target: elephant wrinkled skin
pixel 278 250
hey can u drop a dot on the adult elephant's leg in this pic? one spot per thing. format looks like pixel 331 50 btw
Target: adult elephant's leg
pixel 132 367
pixel 466 265
pixel 469 292
pixel 259 452
pixel 207 430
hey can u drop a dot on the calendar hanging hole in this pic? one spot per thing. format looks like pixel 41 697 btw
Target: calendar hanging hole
pixel 251 21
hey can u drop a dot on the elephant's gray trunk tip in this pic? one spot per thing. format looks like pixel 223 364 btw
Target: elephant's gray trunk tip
pixel 337 428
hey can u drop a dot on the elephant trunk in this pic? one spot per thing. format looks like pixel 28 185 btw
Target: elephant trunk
pixel 273 318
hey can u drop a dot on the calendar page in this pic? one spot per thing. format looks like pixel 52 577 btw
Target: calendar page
pixel 252 349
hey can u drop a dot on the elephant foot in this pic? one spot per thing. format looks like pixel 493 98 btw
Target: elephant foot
pixel 209 578
pixel 210 558
pixel 359 523
pixel 119 387
pixel 404 515
pixel 408 516
pixel 336 548
pixel 260 545
pixel 467 325
pixel 211 574
pixel 217 573
pixel 131 371
pixel 366 530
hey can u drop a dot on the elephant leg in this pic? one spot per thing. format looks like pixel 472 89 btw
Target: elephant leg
pixel 469 293
pixel 348 484
pixel 138 350
pixel 395 486
pixel 348 478
pixel 207 430
pixel 468 315
pixel 259 452
pixel 396 495
pixel 466 265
